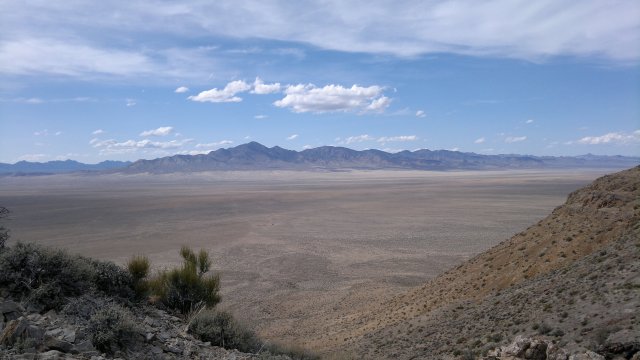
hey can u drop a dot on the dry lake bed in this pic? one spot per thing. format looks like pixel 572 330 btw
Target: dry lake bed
pixel 295 249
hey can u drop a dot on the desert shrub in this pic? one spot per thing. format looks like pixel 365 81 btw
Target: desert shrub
pixel 112 280
pixel 186 287
pixel 84 307
pixel 43 276
pixel 219 328
pixel 138 267
pixel 4 232
pixel 112 328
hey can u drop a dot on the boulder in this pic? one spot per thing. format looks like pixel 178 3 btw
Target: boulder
pixel 587 355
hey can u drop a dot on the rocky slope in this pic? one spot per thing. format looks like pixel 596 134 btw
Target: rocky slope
pixel 27 334
pixel 574 277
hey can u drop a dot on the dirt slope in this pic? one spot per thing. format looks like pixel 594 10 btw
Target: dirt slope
pixel 593 235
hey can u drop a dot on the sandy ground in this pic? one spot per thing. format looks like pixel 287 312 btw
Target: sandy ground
pixel 292 247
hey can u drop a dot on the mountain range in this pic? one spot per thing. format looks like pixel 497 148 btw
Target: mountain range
pixel 255 156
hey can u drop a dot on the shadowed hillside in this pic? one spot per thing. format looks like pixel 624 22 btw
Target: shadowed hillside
pixel 574 276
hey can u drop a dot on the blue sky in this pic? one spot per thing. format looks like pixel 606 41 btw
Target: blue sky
pixel 93 81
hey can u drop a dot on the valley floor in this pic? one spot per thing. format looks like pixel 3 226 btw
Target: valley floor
pixel 296 250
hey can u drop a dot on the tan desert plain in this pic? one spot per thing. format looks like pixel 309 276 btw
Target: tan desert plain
pixel 295 250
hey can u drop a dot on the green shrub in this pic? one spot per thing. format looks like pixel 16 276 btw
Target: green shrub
pixel 188 286
pixel 219 328
pixel 112 328
pixel 113 280
pixel 138 267
pixel 4 232
pixel 43 276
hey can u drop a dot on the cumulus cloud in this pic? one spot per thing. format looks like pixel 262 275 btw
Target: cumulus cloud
pixel 215 144
pixel 259 87
pixel 98 132
pixel 385 139
pixel 292 137
pixel 130 102
pixel 307 147
pixel 302 98
pixel 161 131
pixel 260 116
pixel 530 121
pixel 421 114
pixel 479 140
pixel 612 138
pixel 111 146
pixel 358 139
pixel 228 94
pixel 181 89
pixel 514 139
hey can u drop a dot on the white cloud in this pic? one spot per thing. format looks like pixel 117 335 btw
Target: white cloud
pixel 259 87
pixel 112 146
pixel 46 132
pixel 228 94
pixel 612 137
pixel 181 89
pixel 194 152
pixel 98 132
pixel 22 56
pixel 33 157
pixel 421 114
pixel 130 102
pixel 215 144
pixel 333 98
pixel 357 139
pixel 292 137
pixel 403 138
pixel 260 116
pixel 479 140
pixel 530 121
pixel 307 147
pixel 161 131
pixel 514 139
pixel 73 39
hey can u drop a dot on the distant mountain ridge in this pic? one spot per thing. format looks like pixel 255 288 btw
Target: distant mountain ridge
pixel 255 156
pixel 58 167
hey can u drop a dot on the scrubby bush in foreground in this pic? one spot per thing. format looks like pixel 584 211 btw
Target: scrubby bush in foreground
pixel 112 328
pixel 188 286
pixel 219 328
pixel 45 278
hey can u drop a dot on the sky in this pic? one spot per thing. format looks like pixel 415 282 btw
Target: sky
pixel 125 80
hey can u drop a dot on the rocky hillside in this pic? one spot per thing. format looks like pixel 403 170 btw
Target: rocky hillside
pixel 574 278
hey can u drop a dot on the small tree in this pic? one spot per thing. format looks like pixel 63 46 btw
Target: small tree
pixel 188 286
pixel 4 232
pixel 138 267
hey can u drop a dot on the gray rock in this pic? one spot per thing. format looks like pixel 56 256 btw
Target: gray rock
pixel 69 335
pixel 588 355
pixel 518 347
pixel 554 352
pixel 83 347
pixel 52 355
pixel 537 351
pixel 57 344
